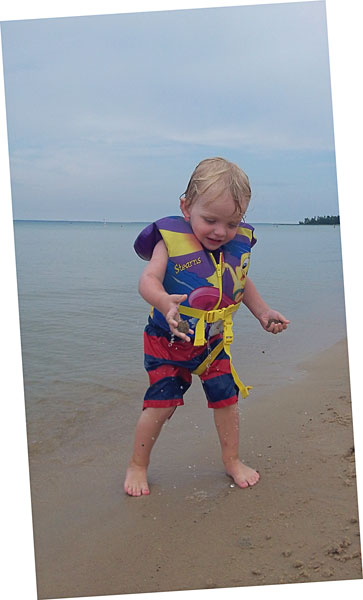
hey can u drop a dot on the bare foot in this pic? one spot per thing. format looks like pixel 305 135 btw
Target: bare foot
pixel 136 481
pixel 242 475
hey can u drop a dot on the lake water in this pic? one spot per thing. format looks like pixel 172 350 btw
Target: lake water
pixel 82 319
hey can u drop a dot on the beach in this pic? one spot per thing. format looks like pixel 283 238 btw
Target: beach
pixel 197 530
pixel 81 325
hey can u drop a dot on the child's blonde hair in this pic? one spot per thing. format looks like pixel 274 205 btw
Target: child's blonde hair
pixel 224 175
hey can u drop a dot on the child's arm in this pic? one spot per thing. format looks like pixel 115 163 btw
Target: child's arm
pixel 152 290
pixel 261 310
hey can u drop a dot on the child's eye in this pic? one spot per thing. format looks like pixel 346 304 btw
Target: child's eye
pixel 209 220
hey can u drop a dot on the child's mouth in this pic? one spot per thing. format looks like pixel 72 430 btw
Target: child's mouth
pixel 213 241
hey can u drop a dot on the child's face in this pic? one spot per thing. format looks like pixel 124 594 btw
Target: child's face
pixel 214 221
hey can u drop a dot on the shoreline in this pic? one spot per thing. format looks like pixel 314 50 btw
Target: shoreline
pixel 195 530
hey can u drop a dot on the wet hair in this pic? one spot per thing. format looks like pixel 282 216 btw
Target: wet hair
pixel 222 174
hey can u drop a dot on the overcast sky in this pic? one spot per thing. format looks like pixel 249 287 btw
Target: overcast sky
pixel 108 115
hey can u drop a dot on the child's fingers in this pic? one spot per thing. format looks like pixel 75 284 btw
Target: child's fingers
pixel 283 319
pixel 175 331
pixel 277 323
pixel 173 317
pixel 275 326
pixel 172 323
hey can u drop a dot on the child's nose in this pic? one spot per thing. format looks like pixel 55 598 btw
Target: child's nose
pixel 219 230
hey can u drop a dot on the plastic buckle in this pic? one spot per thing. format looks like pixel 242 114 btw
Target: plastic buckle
pixel 228 330
pixel 215 315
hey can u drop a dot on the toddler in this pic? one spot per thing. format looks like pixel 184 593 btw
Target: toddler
pixel 195 279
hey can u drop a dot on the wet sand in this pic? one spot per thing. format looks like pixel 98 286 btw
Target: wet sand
pixel 195 530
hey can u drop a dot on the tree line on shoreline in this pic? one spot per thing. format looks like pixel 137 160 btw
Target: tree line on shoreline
pixel 329 220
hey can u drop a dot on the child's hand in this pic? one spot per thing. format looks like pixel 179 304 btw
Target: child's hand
pixel 172 315
pixel 273 321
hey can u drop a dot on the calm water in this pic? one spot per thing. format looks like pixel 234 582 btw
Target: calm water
pixel 82 319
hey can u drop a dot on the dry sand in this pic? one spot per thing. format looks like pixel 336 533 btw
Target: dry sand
pixel 196 531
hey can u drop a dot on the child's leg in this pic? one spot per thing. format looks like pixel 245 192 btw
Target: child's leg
pixel 147 431
pixel 227 424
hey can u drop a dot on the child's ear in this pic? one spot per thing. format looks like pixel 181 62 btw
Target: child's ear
pixel 185 210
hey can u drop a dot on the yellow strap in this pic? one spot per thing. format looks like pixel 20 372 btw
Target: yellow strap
pixel 199 339
pixel 211 316
pixel 220 313
pixel 219 272
pixel 244 389
pixel 210 358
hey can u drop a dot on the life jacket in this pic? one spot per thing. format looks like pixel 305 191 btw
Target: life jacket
pixel 214 282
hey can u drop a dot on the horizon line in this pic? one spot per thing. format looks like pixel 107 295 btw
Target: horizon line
pixel 105 222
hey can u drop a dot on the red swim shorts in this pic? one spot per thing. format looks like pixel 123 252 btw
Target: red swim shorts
pixel 170 366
